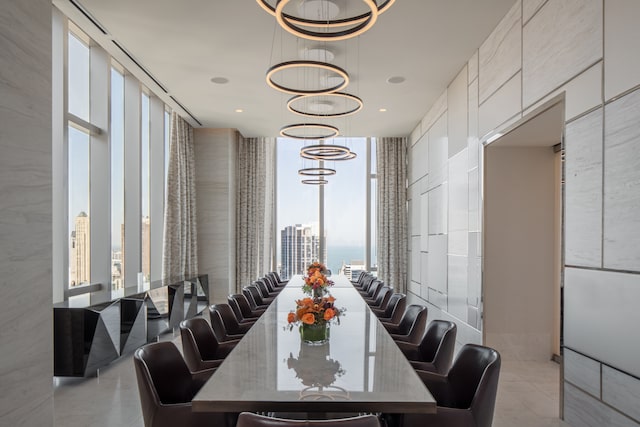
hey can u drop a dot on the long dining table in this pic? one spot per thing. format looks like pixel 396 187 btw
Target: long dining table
pixel 360 369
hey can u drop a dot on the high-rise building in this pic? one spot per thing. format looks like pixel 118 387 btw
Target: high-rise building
pixel 300 246
pixel 80 251
pixel 353 269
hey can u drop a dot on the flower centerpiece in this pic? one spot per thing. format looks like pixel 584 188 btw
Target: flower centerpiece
pixel 316 282
pixel 313 317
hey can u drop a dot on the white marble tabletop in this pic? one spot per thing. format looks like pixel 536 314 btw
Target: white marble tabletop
pixel 360 369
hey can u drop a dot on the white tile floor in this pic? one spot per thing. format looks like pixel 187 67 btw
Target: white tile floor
pixel 528 396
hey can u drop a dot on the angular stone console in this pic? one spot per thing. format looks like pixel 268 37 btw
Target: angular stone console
pixel 88 338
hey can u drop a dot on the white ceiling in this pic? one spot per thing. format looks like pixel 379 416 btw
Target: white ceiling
pixel 183 44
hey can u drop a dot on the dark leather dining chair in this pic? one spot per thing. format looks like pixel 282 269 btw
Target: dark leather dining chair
pixel 374 289
pixel 412 327
pixel 219 329
pixel 434 353
pixel 242 308
pixel 232 324
pixel 249 419
pixel 200 347
pixel 466 396
pixel 360 277
pixel 265 288
pixel 392 312
pixel 167 387
pixel 382 298
pixel 256 301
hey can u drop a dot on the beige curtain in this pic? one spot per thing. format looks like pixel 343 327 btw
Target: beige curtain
pixel 254 207
pixel 180 248
pixel 392 211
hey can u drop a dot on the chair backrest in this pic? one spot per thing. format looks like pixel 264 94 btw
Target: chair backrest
pixel 262 288
pixel 395 308
pixel 242 304
pixel 202 335
pixel 271 282
pixel 375 287
pixel 276 276
pixel 418 327
pixel 231 322
pixel 163 377
pixel 474 381
pixel 218 327
pixel 253 296
pixel 409 318
pixel 360 276
pixel 438 345
pixel 248 419
pixel 383 297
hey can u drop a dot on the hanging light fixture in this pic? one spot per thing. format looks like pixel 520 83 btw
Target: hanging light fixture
pixel 318 172
pixel 302 131
pixel 327 152
pixel 322 14
pixel 315 181
pixel 326 79
pixel 329 105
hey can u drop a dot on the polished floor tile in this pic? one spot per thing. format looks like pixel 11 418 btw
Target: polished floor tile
pixel 528 396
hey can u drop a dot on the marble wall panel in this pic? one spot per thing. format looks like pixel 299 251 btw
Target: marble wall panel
pixel 583 372
pixel 473 137
pixel 501 53
pixel 26 340
pixel 529 8
pixel 437 272
pixel 420 158
pixel 438 152
pixel 415 261
pixel 474 278
pixel 563 39
pixel 474 200
pixel 458 243
pixel 622 183
pixel 580 409
pixel 582 93
pixel 583 184
pixel 437 110
pixel 472 67
pixel 503 105
pixel 416 134
pixel 458 186
pixel 457 286
pixel 424 272
pixel 414 209
pixel 621 35
pixel 621 391
pixel 457 122
pixel 437 204
pixel 600 314
pixel 438 299
pixel 424 222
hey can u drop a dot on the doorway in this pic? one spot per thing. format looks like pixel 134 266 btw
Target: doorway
pixel 522 215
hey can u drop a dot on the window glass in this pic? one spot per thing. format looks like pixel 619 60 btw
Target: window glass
pixel 144 175
pixel 345 209
pixel 117 180
pixel 298 232
pixel 79 219
pixel 78 86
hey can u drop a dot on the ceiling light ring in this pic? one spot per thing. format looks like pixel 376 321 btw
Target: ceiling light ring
pixel 315 181
pixel 358 101
pixel 311 64
pixel 357 30
pixel 318 172
pixel 271 10
pixel 326 152
pixel 332 131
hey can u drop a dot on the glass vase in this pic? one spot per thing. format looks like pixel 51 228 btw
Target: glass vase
pixel 315 334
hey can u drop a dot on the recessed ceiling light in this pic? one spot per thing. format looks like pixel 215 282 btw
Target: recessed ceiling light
pixel 382 110
pixel 239 110
pixel 395 79
pixel 220 80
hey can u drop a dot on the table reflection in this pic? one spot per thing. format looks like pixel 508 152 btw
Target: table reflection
pixel 316 370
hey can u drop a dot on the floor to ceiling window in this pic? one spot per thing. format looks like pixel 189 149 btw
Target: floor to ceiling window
pixel 334 217
pixel 113 125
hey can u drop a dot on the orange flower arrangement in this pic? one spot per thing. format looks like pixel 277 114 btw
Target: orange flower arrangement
pixel 316 282
pixel 309 311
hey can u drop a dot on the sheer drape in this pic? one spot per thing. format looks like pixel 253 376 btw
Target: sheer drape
pixel 254 207
pixel 180 248
pixel 392 211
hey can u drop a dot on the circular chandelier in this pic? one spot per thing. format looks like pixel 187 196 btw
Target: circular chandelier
pixel 315 181
pixel 300 131
pixel 329 78
pixel 318 172
pixel 327 152
pixel 327 11
pixel 329 105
